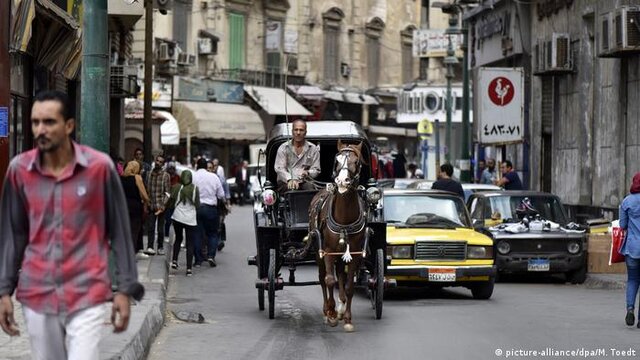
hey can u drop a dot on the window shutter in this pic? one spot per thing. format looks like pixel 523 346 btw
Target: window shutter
pixel 236 41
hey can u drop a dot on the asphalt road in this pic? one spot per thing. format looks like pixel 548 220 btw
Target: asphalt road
pixel 522 316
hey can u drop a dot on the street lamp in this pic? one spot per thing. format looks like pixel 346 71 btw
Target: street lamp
pixel 453 9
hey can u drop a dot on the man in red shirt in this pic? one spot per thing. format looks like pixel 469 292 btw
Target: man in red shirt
pixel 62 210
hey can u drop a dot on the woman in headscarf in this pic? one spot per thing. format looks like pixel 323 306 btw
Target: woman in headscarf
pixel 184 200
pixel 630 222
pixel 137 198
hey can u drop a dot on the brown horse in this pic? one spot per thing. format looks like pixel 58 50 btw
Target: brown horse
pixel 337 218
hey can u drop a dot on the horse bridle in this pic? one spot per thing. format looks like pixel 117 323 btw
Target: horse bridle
pixel 344 165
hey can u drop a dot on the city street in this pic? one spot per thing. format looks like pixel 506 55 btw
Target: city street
pixel 522 315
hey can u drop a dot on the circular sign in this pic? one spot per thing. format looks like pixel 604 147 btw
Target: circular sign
pixel 425 129
pixel 501 91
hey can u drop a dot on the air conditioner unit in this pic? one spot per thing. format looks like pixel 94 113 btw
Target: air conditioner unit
pixel 559 54
pixel 183 59
pixel 605 35
pixel 163 52
pixel 539 52
pixel 626 25
pixel 192 60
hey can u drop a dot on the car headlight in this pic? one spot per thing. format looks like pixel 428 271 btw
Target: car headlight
pixel 269 197
pixel 401 251
pixel 573 247
pixel 479 252
pixel 373 195
pixel 503 247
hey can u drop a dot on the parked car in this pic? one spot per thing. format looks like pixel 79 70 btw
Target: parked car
pixel 400 183
pixel 468 188
pixel 254 184
pixel 550 244
pixel 431 242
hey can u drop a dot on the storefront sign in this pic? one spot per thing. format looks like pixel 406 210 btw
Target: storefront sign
pixel 160 94
pixel 434 43
pixel 291 41
pixel 188 89
pixel 500 96
pixel 4 121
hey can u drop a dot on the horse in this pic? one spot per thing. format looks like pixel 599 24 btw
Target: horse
pixel 337 220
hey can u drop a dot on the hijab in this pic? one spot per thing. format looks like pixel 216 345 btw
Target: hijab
pixel 635 185
pixel 132 168
pixel 188 188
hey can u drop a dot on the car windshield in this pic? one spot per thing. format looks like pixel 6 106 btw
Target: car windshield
pixel 425 210
pixel 504 207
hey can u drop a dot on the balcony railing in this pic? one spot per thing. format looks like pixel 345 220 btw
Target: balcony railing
pixel 261 78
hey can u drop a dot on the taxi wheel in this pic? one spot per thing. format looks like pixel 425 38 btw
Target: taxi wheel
pixel 482 291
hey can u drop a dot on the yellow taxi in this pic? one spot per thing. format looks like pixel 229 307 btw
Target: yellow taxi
pixel 430 241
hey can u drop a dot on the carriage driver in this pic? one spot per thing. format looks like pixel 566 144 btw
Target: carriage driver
pixel 297 161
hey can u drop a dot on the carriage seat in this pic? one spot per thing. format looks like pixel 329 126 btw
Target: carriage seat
pixel 296 211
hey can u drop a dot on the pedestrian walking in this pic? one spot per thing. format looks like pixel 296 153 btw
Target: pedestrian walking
pixel 223 207
pixel 446 183
pixel 174 179
pixel 211 192
pixel 242 182
pixel 159 188
pixel 137 199
pixel 184 201
pixel 63 208
pixel 510 178
pixel 630 222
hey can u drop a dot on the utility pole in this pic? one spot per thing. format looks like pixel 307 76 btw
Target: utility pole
pixel 148 78
pixel 94 88
pixel 5 86
pixel 465 157
pixel 449 62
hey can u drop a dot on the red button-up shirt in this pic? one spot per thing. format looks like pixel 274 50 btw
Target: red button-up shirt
pixel 58 231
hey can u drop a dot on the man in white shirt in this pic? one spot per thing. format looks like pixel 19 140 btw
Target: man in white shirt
pixel 211 192
pixel 219 168
pixel 297 161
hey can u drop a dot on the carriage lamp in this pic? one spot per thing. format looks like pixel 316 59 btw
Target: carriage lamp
pixel 400 251
pixel 503 247
pixel 573 247
pixel 269 197
pixel 479 252
pixel 373 195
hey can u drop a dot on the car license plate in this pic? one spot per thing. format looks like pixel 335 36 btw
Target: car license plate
pixel 442 275
pixel 538 265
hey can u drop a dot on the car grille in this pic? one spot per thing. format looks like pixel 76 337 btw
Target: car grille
pixel 441 250
pixel 538 246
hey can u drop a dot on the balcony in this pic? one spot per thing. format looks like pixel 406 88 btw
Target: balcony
pixel 260 78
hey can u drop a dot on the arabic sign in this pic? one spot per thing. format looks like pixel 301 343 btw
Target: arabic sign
pixel 273 38
pixel 434 43
pixel 500 97
pixel 291 41
pixel 222 91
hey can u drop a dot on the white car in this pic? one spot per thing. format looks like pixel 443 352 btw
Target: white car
pixel 468 188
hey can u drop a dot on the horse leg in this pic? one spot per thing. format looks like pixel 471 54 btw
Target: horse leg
pixel 322 272
pixel 342 298
pixel 350 289
pixel 330 282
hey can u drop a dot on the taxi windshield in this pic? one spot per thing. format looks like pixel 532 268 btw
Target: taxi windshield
pixel 425 211
pixel 504 208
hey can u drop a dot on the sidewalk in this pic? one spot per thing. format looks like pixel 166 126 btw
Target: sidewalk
pixel 147 318
pixel 606 281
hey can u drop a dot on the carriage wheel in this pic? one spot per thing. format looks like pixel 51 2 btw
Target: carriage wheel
pixel 272 283
pixel 261 299
pixel 378 293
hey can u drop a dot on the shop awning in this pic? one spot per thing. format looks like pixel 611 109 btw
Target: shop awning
pixel 392 130
pixel 209 120
pixel 307 91
pixel 351 97
pixel 169 130
pixel 272 100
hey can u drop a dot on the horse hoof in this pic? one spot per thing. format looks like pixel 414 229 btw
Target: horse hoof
pixel 349 328
pixel 333 322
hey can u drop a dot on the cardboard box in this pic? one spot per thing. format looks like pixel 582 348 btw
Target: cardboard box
pixel 598 260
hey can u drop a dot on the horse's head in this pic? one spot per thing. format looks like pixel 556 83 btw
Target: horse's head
pixel 347 165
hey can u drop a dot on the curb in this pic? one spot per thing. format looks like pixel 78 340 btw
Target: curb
pixel 605 282
pixel 144 326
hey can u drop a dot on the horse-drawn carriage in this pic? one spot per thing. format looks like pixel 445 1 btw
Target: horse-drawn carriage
pixel 340 229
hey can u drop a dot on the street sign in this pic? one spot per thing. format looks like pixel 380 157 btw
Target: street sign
pixel 500 99
pixel 425 129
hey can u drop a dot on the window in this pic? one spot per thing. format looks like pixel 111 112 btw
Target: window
pixel 373 31
pixel 406 40
pixel 332 21
pixel 236 41
pixel 424 14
